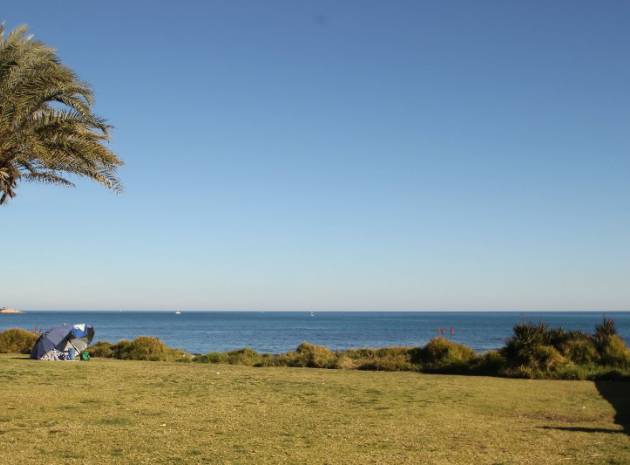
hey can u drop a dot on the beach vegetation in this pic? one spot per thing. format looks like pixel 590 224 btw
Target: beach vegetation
pixel 140 348
pixel 383 359
pixel 533 351
pixel 312 356
pixel 443 355
pixel 490 363
pixel 17 341
pixel 101 349
pixel 244 356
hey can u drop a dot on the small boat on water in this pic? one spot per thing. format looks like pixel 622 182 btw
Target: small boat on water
pixel 178 312
pixel 312 313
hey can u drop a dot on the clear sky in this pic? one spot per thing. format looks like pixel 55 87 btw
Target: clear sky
pixel 338 155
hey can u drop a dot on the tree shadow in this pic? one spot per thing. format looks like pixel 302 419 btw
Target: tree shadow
pixel 617 393
pixel 584 429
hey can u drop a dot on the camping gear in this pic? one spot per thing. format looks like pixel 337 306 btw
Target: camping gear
pixel 63 342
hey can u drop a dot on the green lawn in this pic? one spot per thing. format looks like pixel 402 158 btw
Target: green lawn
pixel 124 412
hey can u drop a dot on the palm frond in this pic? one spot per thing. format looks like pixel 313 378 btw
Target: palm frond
pixel 47 125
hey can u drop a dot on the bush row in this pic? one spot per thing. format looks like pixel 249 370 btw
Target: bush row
pixel 533 351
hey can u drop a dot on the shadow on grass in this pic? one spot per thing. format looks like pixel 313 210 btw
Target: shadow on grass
pixel 617 393
pixel 584 429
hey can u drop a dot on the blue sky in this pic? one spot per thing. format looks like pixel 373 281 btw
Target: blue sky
pixel 338 155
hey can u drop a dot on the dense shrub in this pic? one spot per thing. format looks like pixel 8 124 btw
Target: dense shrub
pixel 614 352
pixel 572 371
pixel 384 359
pixel 444 355
pixel 141 348
pixel 17 341
pixel 312 356
pixel 604 331
pixel 344 362
pixel 581 350
pixel 101 349
pixel 490 363
pixel 521 348
pixel 547 358
pixel 245 356
pixel 384 364
pixel 211 357
pixel 535 351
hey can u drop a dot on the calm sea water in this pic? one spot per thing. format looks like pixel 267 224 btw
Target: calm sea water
pixel 282 331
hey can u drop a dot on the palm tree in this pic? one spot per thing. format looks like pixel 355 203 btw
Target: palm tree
pixel 47 128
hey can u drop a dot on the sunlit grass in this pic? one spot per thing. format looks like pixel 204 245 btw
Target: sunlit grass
pixel 122 412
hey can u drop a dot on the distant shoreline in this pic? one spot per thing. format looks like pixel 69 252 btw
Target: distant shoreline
pixel 10 311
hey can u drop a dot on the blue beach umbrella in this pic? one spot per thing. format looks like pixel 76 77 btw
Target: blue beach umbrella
pixel 63 342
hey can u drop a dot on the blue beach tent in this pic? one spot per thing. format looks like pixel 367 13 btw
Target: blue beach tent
pixel 63 342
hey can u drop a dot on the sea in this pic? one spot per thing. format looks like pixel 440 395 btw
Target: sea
pixel 276 332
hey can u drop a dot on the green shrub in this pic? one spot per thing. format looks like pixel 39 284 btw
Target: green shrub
pixel 312 356
pixel 544 361
pixel 359 354
pixel 614 352
pixel 101 349
pixel 384 359
pixel 344 362
pixel 547 358
pixel 580 350
pixel 572 371
pixel 490 363
pixel 605 329
pixel 147 348
pixel 384 364
pixel 141 348
pixel 17 341
pixel 442 354
pixel 268 360
pixel 120 349
pixel 520 348
pixel 277 360
pixel 522 371
pixel 244 356
pixel 211 357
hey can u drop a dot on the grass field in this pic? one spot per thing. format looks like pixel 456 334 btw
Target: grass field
pixel 126 412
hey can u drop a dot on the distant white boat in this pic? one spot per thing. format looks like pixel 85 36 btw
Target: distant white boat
pixel 178 312
pixel 312 313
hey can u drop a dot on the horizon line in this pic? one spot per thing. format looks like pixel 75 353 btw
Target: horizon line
pixel 508 310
